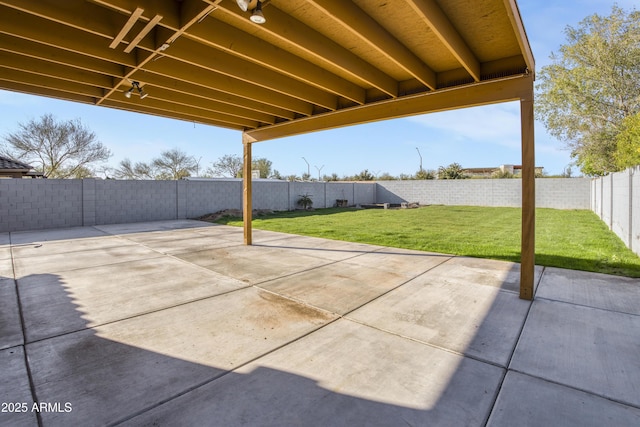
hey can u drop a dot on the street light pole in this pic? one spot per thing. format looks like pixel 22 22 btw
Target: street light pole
pixel 308 167
pixel 420 158
pixel 319 171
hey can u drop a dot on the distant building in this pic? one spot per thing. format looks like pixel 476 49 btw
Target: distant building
pixel 515 170
pixel 10 168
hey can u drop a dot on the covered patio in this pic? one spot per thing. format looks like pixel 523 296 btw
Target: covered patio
pixel 277 68
pixel 180 323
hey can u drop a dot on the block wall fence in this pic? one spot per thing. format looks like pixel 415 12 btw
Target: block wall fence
pixel 615 198
pixel 32 204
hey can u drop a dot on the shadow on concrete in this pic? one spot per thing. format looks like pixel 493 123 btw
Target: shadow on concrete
pixel 85 378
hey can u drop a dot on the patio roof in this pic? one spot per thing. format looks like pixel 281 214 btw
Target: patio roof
pixel 313 65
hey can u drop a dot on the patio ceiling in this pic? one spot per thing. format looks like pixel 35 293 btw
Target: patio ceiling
pixel 314 64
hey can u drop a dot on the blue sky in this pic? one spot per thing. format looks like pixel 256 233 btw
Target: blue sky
pixel 476 137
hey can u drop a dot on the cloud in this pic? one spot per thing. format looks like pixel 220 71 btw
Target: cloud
pixel 497 124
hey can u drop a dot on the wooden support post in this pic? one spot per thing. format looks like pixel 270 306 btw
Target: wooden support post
pixel 527 254
pixel 247 205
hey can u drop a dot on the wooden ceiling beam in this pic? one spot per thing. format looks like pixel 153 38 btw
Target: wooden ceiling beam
pixel 184 99
pixel 160 105
pixel 52 83
pixel 56 35
pixel 141 35
pixel 295 33
pixel 143 109
pixel 435 18
pixel 43 91
pixel 230 39
pixel 28 48
pixel 489 92
pixel 127 27
pixel 169 10
pixel 364 26
pixel 209 94
pixel 17 62
pixel 189 73
pixel 189 51
pixel 521 35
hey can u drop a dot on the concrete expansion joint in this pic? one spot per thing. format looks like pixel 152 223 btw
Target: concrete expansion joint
pixel 590 307
pixel 582 390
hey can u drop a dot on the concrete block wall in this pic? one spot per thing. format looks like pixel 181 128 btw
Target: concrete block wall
pixel 615 198
pixel 31 204
pixel 135 201
pixel 203 197
pixel 557 193
pixel 563 193
pixel 27 204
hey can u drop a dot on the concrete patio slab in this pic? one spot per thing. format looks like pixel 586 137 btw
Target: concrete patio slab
pixel 344 374
pixel 115 371
pixel 400 261
pixel 15 391
pixel 39 236
pixel 339 287
pixel 65 246
pixel 5 249
pixel 252 264
pixel 329 249
pixel 175 244
pixel 527 401
pixel 304 331
pixel 10 323
pixel 502 274
pixel 56 263
pixel 483 322
pixel 6 267
pixel 51 302
pixel 604 291
pixel 140 227
pixel 586 348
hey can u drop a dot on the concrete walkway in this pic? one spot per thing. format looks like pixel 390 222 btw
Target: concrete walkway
pixel 178 324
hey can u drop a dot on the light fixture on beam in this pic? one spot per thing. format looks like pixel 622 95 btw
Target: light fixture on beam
pixel 136 86
pixel 243 4
pixel 255 6
pixel 257 16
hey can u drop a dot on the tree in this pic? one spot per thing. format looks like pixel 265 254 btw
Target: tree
pixel 365 175
pixel 453 171
pixel 263 165
pixel 173 164
pixel 386 176
pixel 628 143
pixel 592 87
pixel 228 166
pixel 55 148
pixel 501 174
pixel 139 170
pixel 425 174
pixel 333 177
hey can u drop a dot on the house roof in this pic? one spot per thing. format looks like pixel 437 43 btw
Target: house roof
pixel 314 64
pixel 10 165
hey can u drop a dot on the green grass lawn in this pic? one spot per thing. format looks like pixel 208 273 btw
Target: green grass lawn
pixel 574 239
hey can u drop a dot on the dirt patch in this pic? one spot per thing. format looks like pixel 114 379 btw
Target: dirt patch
pixel 234 213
